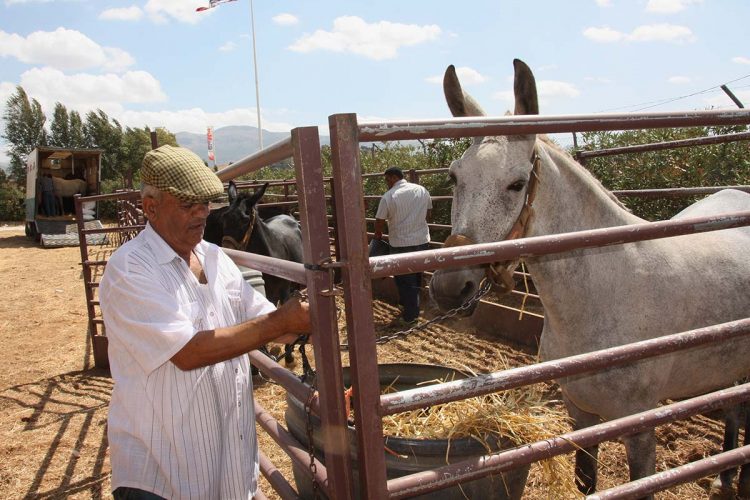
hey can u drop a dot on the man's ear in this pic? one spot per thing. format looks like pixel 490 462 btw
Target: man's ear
pixel 149 207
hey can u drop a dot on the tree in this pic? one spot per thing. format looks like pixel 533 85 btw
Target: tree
pixel 60 128
pixel 24 130
pixel 77 138
pixel 100 132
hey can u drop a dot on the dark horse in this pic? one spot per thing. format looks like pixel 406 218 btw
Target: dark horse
pixel 239 227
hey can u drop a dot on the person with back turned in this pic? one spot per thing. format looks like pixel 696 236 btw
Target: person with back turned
pixel 407 207
pixel 180 320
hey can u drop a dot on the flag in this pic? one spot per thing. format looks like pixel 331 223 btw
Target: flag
pixel 212 4
pixel 210 137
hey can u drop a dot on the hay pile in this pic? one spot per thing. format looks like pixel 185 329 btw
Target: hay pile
pixel 520 416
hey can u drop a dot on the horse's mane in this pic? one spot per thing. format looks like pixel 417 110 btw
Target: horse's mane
pixel 553 147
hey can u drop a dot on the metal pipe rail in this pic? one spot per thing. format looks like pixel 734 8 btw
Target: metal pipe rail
pixel 276 478
pixel 277 151
pixel 293 271
pixel 675 192
pixel 285 379
pixel 480 385
pixel 484 253
pixel 659 146
pixel 469 470
pixel 685 473
pixel 537 124
pixel 299 455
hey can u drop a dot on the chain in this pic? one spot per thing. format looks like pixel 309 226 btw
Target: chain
pixel 485 287
pixel 310 431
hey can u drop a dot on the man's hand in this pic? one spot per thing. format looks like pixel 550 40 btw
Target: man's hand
pixel 378 235
pixel 294 315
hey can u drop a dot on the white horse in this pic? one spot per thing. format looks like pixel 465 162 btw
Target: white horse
pixel 602 297
pixel 68 187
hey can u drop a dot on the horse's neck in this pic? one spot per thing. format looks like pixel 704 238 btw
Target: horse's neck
pixel 259 238
pixel 570 199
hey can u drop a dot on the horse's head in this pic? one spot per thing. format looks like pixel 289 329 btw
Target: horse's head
pixel 240 217
pixel 490 180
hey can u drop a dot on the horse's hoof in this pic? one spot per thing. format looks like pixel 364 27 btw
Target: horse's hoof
pixel 721 493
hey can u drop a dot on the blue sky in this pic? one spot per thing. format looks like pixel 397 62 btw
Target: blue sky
pixel 159 63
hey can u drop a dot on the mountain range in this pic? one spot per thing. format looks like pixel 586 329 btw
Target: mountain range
pixel 231 143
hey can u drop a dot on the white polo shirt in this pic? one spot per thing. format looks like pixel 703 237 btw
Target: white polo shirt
pixel 179 434
pixel 405 207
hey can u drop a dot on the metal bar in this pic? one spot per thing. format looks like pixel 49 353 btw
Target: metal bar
pixel 117 229
pixel 316 250
pixel 275 478
pixel 539 372
pixel 284 378
pixel 291 446
pixel 679 475
pixel 535 124
pixel 293 271
pixel 484 253
pixel 675 192
pixel 732 96
pixel 276 152
pixel 358 298
pixel 659 146
pixel 469 470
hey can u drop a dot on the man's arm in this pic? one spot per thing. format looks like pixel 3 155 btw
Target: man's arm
pixel 213 346
pixel 379 228
pixel 428 217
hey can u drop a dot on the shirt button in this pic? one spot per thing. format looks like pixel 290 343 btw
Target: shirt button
pixel 242 437
pixel 211 313
pixel 235 370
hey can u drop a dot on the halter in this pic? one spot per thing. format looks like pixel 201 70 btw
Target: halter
pixel 501 273
pixel 242 245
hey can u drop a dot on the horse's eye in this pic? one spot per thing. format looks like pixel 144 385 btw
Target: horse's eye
pixel 452 178
pixel 517 186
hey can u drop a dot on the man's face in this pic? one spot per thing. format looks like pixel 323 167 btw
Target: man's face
pixel 180 223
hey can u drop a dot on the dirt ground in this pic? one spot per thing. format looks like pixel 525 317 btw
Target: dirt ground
pixel 53 403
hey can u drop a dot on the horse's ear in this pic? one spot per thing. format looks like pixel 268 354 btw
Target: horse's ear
pixel 232 191
pixel 257 195
pixel 524 88
pixel 459 102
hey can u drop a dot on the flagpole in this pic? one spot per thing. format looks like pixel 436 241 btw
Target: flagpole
pixel 255 65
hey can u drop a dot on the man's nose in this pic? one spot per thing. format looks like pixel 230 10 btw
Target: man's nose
pixel 200 210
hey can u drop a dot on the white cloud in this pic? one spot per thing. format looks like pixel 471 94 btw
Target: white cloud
pixel 605 34
pixel 228 47
pixel 63 49
pixel 604 3
pixel 646 33
pixel 741 60
pixel 285 19
pixel 679 80
pixel 598 79
pixel 669 6
pixel 547 91
pixel 468 76
pixel 85 92
pixel 378 41
pixel 132 13
pixel 160 11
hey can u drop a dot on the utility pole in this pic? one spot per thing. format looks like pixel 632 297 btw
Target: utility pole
pixel 255 65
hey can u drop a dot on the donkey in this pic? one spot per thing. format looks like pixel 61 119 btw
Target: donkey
pixel 601 297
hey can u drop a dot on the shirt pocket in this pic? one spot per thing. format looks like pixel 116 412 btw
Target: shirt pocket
pixel 237 306
pixel 194 313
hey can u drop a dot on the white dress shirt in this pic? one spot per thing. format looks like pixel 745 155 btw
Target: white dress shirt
pixel 179 434
pixel 405 207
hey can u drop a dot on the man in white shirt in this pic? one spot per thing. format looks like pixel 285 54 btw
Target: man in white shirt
pixel 180 320
pixel 406 207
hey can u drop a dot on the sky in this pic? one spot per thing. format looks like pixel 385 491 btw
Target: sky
pixel 159 63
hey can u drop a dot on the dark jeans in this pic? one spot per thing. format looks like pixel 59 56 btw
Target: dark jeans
pixel 126 493
pixel 409 285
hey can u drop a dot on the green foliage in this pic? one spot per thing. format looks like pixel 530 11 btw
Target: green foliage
pixel 710 165
pixel 24 130
pixel 11 200
pixel 60 127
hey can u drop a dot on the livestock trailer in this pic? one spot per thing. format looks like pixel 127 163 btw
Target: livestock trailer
pixel 53 176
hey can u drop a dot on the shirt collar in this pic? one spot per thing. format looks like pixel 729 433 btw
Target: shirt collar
pixel 399 183
pixel 162 251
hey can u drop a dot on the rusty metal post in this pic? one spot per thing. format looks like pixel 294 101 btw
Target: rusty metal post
pixel 317 250
pixel 347 175
pixel 154 140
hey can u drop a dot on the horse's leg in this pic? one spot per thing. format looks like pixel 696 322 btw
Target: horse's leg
pixel 722 486
pixel 586 458
pixel 641 450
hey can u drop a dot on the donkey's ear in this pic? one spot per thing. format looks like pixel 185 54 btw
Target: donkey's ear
pixel 257 195
pixel 524 88
pixel 232 191
pixel 459 102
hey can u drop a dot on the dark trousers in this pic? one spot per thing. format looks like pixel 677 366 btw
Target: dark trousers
pixel 409 285
pixel 126 493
